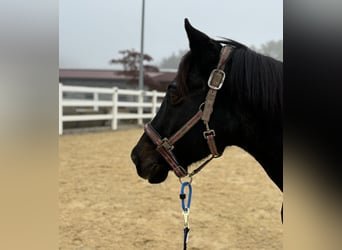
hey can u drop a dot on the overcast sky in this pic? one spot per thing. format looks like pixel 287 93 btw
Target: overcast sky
pixel 92 32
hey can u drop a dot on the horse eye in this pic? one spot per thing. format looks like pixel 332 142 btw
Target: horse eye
pixel 172 91
pixel 172 86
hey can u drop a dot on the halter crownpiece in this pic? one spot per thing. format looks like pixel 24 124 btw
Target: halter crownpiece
pixel 166 145
pixel 215 82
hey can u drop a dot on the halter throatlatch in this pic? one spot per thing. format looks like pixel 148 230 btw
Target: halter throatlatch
pixel 166 145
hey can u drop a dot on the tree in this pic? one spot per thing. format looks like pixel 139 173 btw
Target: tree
pixel 172 61
pixel 131 64
pixel 271 48
pixel 131 61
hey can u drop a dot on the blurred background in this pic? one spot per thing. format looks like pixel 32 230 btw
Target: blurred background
pixel 33 51
pixel 91 33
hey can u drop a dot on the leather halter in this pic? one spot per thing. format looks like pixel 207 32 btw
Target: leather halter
pixel 166 145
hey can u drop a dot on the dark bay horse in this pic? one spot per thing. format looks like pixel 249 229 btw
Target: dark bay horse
pixel 246 110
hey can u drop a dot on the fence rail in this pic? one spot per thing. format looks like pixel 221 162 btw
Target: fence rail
pixel 122 104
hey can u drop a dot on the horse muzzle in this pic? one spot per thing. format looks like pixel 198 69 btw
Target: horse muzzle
pixel 148 167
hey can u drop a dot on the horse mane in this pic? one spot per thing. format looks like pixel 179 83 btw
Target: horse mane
pixel 255 80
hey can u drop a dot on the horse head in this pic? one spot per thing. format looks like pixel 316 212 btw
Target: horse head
pixel 246 111
pixel 183 99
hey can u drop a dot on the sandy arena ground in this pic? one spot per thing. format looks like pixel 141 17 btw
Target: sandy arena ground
pixel 105 205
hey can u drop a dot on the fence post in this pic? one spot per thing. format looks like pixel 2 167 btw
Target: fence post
pixel 60 109
pixel 115 109
pixel 96 98
pixel 154 103
pixel 140 108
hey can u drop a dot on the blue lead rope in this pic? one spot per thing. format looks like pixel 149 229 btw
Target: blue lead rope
pixel 186 210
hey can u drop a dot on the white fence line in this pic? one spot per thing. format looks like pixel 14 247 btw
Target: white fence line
pixel 114 105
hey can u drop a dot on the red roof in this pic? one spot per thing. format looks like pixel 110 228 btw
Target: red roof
pixel 91 74
pixel 155 80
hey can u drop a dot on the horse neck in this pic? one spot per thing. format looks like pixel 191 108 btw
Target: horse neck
pixel 263 140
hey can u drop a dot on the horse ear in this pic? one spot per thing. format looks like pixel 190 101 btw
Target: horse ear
pixel 197 39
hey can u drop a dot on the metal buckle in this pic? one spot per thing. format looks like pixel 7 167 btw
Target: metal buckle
pixel 208 132
pixel 216 79
pixel 166 145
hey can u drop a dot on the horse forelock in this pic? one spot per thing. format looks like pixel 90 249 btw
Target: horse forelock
pixel 182 75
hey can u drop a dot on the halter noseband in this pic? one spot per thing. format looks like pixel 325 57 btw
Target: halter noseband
pixel 166 145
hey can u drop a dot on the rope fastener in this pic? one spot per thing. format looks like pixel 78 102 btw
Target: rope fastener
pixel 186 218
pixel 186 210
pixel 183 195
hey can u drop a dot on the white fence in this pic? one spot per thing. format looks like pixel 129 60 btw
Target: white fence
pixel 141 101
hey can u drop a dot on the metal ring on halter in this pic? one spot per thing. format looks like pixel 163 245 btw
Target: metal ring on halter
pixel 201 106
pixel 181 182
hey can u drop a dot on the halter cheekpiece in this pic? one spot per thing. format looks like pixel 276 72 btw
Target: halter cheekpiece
pixel 166 145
